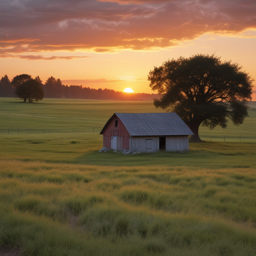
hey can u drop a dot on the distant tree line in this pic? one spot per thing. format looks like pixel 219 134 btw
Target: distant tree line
pixel 53 88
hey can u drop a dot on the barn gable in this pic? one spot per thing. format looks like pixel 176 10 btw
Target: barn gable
pixel 115 128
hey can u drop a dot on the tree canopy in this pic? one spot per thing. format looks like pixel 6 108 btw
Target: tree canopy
pixel 20 79
pixel 30 90
pixel 202 90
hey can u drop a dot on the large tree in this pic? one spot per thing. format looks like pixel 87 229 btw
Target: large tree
pixel 30 90
pixel 202 90
pixel 20 79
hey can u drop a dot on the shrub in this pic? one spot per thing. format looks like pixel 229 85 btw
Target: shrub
pixel 122 226
pixel 79 203
pixel 135 196
pixel 155 246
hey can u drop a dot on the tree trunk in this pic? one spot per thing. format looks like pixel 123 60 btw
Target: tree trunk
pixel 194 128
pixel 25 100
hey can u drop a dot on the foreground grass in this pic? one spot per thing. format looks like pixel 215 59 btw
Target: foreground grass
pixel 66 209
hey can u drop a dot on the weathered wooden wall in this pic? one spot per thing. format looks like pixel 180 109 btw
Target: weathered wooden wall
pixel 151 144
pixel 119 131
pixel 177 143
pixel 140 144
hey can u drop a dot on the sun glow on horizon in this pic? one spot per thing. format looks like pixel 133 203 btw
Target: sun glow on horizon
pixel 128 90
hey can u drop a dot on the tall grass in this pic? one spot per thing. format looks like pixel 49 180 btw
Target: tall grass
pixel 66 209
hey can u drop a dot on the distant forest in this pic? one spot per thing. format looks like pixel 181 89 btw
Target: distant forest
pixel 53 88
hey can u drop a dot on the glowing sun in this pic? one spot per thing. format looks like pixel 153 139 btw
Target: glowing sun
pixel 128 90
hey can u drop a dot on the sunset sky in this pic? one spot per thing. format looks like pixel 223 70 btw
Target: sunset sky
pixel 115 43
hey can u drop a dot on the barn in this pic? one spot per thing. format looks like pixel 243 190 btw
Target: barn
pixel 146 132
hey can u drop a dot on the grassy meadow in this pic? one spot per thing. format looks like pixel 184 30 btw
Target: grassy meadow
pixel 60 196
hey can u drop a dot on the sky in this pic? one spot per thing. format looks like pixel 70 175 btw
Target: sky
pixel 115 43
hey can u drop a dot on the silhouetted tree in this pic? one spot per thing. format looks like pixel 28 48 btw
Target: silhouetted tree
pixel 6 88
pixel 49 87
pixel 30 90
pixel 202 90
pixel 59 89
pixel 20 79
pixel 38 79
pixel 54 88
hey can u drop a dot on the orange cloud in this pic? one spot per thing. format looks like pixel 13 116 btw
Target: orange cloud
pixel 114 25
pixel 24 40
pixel 90 81
pixel 39 57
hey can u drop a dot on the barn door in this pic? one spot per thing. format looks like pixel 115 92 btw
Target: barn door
pixel 114 142
pixel 162 143
pixel 149 146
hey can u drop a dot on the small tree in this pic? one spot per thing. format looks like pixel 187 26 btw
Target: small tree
pixel 31 90
pixel 202 90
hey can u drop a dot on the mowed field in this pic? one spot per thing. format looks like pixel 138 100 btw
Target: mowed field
pixel 60 196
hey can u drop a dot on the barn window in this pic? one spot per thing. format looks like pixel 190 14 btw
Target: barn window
pixel 116 122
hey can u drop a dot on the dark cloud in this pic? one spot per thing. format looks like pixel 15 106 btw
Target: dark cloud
pixel 137 1
pixel 29 26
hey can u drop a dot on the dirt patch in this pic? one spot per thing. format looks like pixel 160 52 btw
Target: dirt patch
pixel 72 221
pixel 10 252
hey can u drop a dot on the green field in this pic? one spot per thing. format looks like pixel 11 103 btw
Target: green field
pixel 60 196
